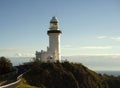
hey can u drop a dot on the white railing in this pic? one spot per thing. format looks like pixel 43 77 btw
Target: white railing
pixel 14 84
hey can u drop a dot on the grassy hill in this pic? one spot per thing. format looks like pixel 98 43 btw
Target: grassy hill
pixel 67 75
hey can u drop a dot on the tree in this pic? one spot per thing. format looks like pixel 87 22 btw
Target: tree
pixel 5 65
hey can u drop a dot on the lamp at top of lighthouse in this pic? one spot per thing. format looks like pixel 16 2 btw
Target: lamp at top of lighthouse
pixel 54 26
pixel 54 23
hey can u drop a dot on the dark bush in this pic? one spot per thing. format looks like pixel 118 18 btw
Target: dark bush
pixel 5 65
pixel 68 75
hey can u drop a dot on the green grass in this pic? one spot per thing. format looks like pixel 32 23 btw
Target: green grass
pixel 23 84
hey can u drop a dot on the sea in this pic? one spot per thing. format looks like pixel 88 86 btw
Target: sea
pixel 103 64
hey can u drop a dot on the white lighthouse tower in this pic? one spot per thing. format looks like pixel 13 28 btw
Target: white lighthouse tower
pixel 54 38
pixel 53 51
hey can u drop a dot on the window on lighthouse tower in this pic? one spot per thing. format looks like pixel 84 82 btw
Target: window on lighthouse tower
pixel 53 25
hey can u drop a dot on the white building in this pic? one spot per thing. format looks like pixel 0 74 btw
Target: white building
pixel 53 51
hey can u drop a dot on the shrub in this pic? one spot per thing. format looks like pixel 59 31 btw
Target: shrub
pixel 5 65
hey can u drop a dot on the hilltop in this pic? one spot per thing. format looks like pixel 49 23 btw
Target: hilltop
pixel 67 75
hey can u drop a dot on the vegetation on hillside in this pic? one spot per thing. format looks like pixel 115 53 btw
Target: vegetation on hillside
pixel 59 75
pixel 5 66
pixel 67 75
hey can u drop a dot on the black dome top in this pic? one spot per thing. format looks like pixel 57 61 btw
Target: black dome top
pixel 54 20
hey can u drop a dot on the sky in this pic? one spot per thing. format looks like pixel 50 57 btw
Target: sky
pixel 89 27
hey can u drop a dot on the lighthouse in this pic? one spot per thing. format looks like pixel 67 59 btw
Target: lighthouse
pixel 54 34
pixel 53 51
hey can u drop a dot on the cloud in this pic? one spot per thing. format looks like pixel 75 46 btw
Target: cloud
pixel 102 37
pixel 24 55
pixel 115 38
pixel 18 54
pixel 89 48
pixel 66 46
pixel 95 47
pixel 109 37
pixel 8 49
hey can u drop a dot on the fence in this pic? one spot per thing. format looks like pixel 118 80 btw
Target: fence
pixel 14 84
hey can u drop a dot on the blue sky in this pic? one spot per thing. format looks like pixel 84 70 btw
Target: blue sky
pixel 88 26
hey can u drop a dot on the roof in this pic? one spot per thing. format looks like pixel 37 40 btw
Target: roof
pixel 54 20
